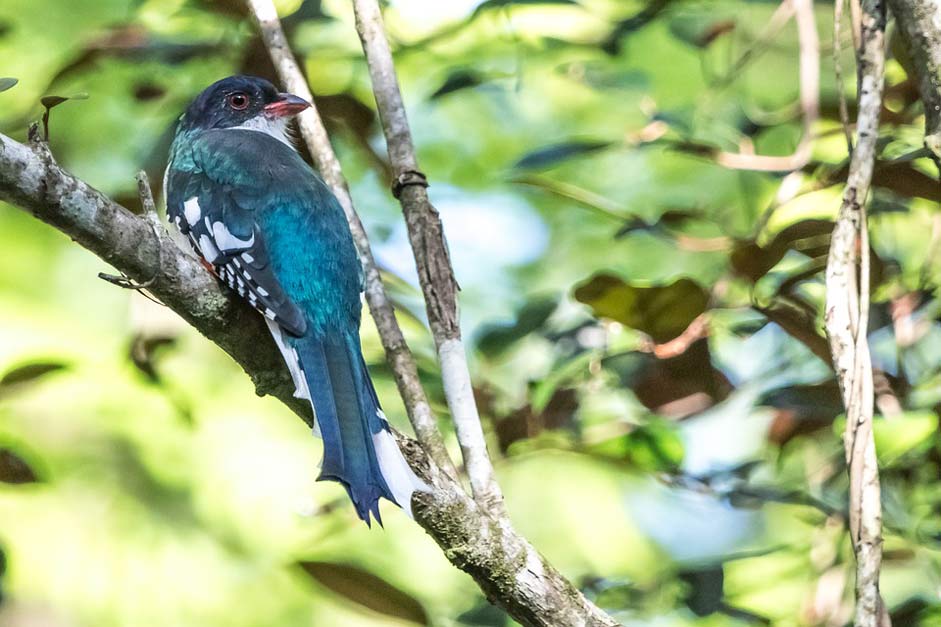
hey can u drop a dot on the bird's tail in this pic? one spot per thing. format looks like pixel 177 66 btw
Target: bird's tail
pixel 360 451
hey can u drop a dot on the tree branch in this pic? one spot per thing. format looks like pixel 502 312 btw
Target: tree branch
pixel 847 316
pixel 435 273
pixel 920 20
pixel 507 568
pixel 398 355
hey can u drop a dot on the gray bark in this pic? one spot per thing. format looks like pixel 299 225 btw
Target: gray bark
pixel 846 321
pixel 920 20
pixel 432 259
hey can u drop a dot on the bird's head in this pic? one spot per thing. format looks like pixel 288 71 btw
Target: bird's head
pixel 245 102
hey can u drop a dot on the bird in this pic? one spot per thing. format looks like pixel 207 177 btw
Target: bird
pixel 265 223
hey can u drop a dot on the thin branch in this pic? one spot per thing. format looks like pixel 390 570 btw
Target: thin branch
pixel 150 212
pixel 695 331
pixel 856 21
pixel 809 72
pixel 506 567
pixel 847 316
pixel 435 273
pixel 838 71
pixel 762 43
pixel 398 355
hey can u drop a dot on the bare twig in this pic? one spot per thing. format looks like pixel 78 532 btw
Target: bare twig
pixel 150 212
pixel 920 21
pixel 847 315
pixel 146 196
pixel 393 341
pixel 695 331
pixel 809 70
pixel 838 71
pixel 856 21
pixel 435 273
pixel 778 21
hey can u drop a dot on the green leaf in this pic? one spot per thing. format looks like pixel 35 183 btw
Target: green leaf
pixel 753 260
pixel 902 434
pixel 555 154
pixel 29 373
pixel 496 4
pixel 705 589
pixel 7 83
pixel 654 447
pixel 456 81
pixel 366 590
pixel 493 339
pixel 13 469
pixel 54 101
pixel 662 312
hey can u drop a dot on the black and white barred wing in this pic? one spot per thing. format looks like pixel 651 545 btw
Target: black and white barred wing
pixel 226 236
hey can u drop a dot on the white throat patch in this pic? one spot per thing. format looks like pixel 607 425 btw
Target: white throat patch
pixel 275 127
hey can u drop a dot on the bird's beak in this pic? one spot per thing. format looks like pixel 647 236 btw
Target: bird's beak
pixel 286 105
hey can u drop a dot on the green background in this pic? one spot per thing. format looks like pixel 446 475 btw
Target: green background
pixel 570 148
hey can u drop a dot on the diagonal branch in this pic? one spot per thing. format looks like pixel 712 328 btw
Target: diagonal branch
pixel 506 567
pixel 397 352
pixel 847 317
pixel 435 273
pixel 809 71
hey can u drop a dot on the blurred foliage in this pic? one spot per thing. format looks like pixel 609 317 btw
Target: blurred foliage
pixel 693 478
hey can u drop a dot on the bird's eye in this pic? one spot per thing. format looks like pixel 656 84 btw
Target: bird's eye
pixel 237 101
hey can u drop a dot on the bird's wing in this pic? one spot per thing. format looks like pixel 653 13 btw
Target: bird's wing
pixel 220 224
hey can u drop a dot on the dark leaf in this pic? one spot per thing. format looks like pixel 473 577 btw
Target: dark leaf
pixel 672 219
pixel 676 387
pixel 54 101
pixel 366 590
pixel 456 81
pixel 752 261
pixel 148 91
pixel 612 43
pixel 29 372
pixel 900 177
pixel 704 594
pixel 526 422
pixel 552 155
pixel 913 611
pixel 493 339
pixel 802 409
pixel 144 350
pixel 7 83
pixel 496 4
pixel 13 469
pixel 662 311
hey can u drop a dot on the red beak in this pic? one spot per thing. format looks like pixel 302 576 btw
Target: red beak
pixel 286 105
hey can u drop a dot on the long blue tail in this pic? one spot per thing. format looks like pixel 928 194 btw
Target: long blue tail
pixel 360 452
